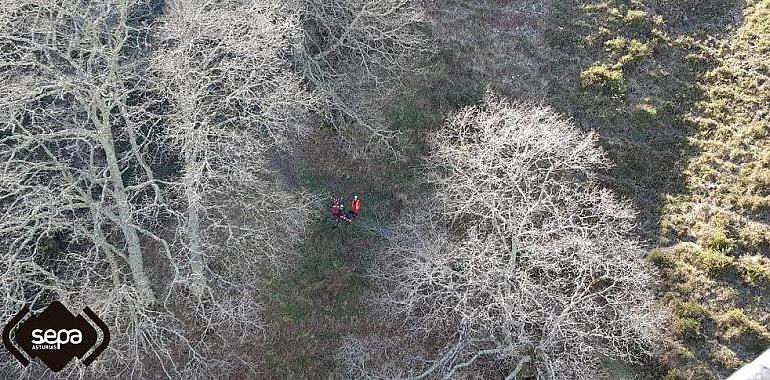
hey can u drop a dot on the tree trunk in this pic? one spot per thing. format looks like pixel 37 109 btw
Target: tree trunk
pixel 133 244
pixel 198 280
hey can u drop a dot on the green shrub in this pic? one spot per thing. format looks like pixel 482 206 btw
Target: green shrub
pixel 661 259
pixel 718 241
pixel 676 374
pixel 736 324
pixel 607 79
pixel 686 289
pixel 754 236
pixel 696 372
pixel 686 328
pixel 678 353
pixel 686 251
pixel 626 51
pixel 755 270
pixel 616 44
pixel 715 262
pixel 639 49
pixel 701 372
pixel 689 309
pixel 726 358
pixel 635 16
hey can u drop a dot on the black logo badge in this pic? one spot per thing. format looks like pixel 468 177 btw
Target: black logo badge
pixel 55 336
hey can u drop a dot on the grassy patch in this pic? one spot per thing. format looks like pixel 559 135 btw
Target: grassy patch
pixel 726 358
pixel 406 117
pixel 686 328
pixel 606 79
pixel 662 259
pixel 715 263
pixel 294 309
pixel 621 73
pixel 735 324
pixel 641 75
pixel 316 304
pixel 322 297
pixel 727 186
pixel 728 180
pixel 755 270
pixel 332 278
pixel 460 95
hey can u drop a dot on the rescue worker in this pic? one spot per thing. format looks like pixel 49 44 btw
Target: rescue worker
pixel 343 215
pixel 355 206
pixel 336 208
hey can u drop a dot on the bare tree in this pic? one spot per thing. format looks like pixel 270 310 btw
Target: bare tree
pixel 64 112
pixel 80 198
pixel 225 68
pixel 373 357
pixel 355 55
pixel 136 182
pixel 523 262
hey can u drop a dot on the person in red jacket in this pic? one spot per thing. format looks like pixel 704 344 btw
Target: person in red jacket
pixel 355 206
pixel 336 208
pixel 344 216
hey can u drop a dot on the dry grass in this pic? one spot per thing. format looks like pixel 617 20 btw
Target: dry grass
pixel 726 208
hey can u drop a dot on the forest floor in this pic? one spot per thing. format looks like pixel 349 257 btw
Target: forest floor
pixel 324 300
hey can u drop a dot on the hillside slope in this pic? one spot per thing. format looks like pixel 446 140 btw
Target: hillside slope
pixel 679 92
pixel 718 275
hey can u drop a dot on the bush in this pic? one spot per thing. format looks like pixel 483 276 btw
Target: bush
pixel 608 80
pixel 754 236
pixel 676 374
pixel 736 324
pixel 626 51
pixel 636 16
pixel 696 372
pixel 686 251
pixel 616 44
pixel 715 262
pixel 686 328
pixel 718 241
pixel 689 309
pixel 726 358
pixel 680 353
pixel 755 270
pixel 661 259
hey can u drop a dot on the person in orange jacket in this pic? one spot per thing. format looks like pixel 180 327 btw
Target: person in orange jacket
pixel 355 206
